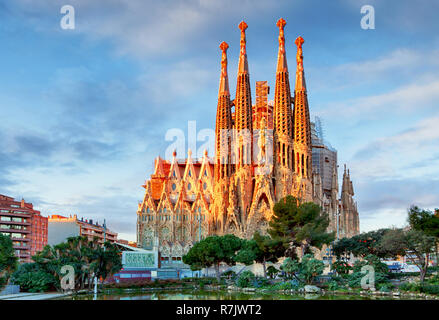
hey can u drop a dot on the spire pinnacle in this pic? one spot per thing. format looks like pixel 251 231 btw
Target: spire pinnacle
pixel 300 77
pixel 224 79
pixel 243 64
pixel 281 58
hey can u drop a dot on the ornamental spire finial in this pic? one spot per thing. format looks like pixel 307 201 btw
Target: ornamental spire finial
pixel 281 58
pixel 281 24
pixel 300 77
pixel 243 64
pixel 299 41
pixel 224 79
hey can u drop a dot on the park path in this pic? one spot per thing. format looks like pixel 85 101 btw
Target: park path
pixel 33 296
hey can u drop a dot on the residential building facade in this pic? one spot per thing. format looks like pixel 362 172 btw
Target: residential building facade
pixel 61 228
pixel 26 227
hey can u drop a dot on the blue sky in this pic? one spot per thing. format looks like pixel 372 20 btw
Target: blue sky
pixel 85 111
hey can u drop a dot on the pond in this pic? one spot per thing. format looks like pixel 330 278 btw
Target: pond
pixel 219 295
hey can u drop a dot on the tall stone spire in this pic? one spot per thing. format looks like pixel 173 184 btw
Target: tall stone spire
pixel 302 125
pixel 243 106
pixel 223 121
pixel 281 58
pixel 243 64
pixel 300 75
pixel 282 106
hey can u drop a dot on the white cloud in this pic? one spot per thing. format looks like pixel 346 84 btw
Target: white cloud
pixel 398 155
pixel 405 99
pixel 157 28
pixel 382 218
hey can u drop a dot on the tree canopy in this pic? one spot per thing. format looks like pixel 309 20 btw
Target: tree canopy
pixel 415 245
pixel 212 251
pixel 88 258
pixel 8 260
pixel 424 220
pixel 300 225
pixel 361 245
pixel 261 249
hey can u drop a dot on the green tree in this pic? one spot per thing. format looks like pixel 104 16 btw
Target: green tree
pixel 425 221
pixel 8 260
pixel 245 279
pixel 88 259
pixel 341 267
pixel 31 277
pixel 212 251
pixel 104 260
pixel 310 268
pixel 361 245
pixel 415 245
pixel 305 271
pixel 373 261
pixel 272 272
pixel 291 267
pixel 261 249
pixel 300 225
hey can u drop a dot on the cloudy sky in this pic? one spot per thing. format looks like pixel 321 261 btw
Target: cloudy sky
pixel 83 112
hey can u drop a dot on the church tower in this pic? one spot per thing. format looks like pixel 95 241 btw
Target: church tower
pixel 283 122
pixel 349 220
pixel 222 146
pixel 242 184
pixel 243 107
pixel 223 122
pixel 302 130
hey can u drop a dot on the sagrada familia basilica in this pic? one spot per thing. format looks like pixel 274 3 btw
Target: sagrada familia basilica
pixel 263 152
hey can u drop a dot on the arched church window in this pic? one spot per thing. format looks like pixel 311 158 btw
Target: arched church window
pixel 174 186
pixel 189 186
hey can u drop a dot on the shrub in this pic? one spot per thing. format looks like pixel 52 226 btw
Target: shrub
pixel 272 272
pixel 410 286
pixel 284 286
pixel 31 278
pixel 385 287
pixel 245 279
pixel 337 282
pixel 259 282
pixel 341 267
pixel 373 261
pixel 430 288
pixel 229 274
pixel 310 268
pixel 354 279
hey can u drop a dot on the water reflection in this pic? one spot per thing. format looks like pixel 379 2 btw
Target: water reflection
pixel 218 295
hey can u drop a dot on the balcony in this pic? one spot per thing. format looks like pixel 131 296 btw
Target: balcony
pixel 20 239
pixel 18 223
pixel 21 247
pixel 15 230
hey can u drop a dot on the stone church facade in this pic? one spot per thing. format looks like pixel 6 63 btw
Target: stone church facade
pixel 263 152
